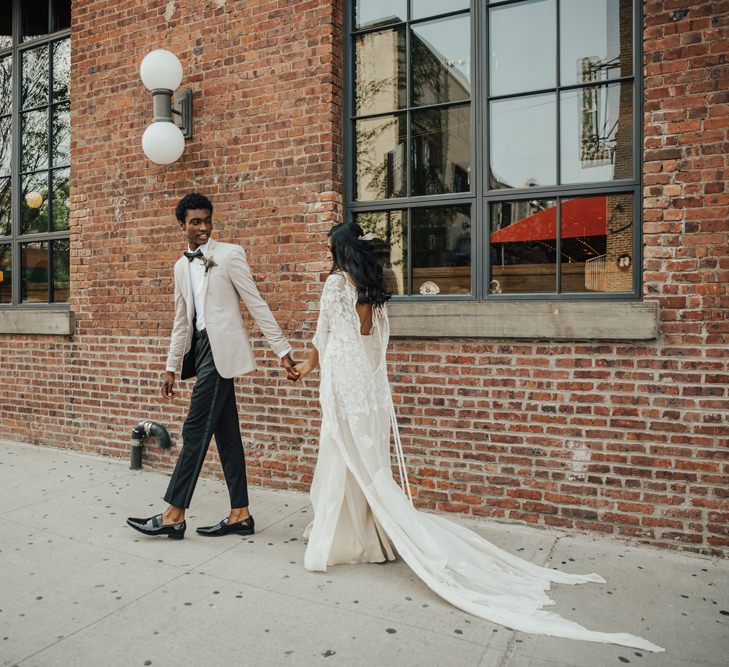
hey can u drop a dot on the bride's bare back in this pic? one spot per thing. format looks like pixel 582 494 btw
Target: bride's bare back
pixel 364 312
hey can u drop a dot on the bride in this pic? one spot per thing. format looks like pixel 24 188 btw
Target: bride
pixel 357 503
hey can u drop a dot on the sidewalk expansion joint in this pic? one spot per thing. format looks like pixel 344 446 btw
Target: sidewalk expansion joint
pixel 511 646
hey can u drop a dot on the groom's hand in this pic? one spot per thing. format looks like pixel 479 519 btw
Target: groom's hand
pixel 291 372
pixel 304 368
pixel 168 386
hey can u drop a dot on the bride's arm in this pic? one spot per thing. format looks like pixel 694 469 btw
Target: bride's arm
pixel 329 304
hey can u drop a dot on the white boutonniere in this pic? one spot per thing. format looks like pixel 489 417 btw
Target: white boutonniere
pixel 208 263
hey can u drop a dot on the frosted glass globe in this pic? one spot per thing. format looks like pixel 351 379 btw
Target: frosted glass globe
pixel 34 199
pixel 163 143
pixel 161 69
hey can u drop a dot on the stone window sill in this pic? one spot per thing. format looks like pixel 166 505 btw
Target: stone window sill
pixel 552 320
pixel 20 321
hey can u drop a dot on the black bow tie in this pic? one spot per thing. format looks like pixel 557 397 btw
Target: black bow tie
pixel 192 255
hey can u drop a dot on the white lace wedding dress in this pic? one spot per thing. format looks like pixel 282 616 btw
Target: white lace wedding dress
pixel 358 504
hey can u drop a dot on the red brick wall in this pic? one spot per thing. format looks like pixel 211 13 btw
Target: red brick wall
pixel 630 440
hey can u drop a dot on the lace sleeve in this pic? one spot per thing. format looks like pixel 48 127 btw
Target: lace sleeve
pixel 332 306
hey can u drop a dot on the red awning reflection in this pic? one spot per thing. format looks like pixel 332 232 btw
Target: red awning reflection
pixel 583 216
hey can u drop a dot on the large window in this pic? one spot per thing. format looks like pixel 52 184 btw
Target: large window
pixel 34 152
pixel 492 146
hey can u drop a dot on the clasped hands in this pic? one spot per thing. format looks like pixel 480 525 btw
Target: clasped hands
pixel 295 372
pixel 291 369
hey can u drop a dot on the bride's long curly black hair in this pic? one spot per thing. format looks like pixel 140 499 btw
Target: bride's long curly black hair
pixel 354 255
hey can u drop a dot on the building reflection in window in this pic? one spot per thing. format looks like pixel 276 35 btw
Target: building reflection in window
pixel 375 13
pixel 435 109
pixel 437 252
pixel 60 255
pixel 528 99
pixel 557 109
pixel 441 250
pixel 608 257
pixel 591 241
pixel 524 246
pixel 34 272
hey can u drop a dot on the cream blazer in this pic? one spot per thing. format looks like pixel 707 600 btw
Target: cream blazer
pixel 225 285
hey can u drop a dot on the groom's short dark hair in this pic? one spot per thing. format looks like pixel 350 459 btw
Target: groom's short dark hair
pixel 192 200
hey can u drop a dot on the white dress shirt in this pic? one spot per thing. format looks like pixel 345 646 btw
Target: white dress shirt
pixel 197 281
pixel 197 274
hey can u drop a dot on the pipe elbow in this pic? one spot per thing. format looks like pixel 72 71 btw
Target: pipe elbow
pixel 149 429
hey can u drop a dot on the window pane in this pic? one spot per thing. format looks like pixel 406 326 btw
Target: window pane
pixel 380 170
pixel 389 245
pixel 523 141
pixel 34 140
pixel 6 25
pixel 441 150
pixel 61 207
pixel 60 258
pixel 423 8
pixel 61 70
pixel 523 39
pixel 597 244
pixel 6 85
pixel 6 144
pixel 34 272
pixel 61 119
pixel 6 275
pixel 596 40
pixel 441 61
pixel 34 203
pixel 61 15
pixel 5 202
pixel 380 72
pixel 34 18
pixel 597 133
pixel 523 247
pixel 369 13
pixel 35 69
pixel 441 250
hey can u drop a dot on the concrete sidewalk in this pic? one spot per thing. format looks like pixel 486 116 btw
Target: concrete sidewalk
pixel 78 587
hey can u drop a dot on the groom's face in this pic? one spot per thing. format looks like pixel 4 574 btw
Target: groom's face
pixel 197 226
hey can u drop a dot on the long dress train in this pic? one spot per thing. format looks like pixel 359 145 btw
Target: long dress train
pixel 358 504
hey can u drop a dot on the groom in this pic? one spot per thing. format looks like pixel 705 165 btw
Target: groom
pixel 209 340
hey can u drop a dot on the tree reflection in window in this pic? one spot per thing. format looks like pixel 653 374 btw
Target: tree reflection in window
pixel 45 138
pixel 6 127
pixel 34 151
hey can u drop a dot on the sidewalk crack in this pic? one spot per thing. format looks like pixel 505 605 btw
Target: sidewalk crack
pixel 511 647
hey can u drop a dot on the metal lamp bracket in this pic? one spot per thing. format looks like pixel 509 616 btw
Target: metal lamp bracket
pixel 182 111
pixel 174 108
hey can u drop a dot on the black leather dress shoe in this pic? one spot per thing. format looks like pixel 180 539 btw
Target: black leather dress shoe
pixel 245 527
pixel 154 526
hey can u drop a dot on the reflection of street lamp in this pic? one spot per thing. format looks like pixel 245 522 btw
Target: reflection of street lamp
pixel 163 141
pixel 34 199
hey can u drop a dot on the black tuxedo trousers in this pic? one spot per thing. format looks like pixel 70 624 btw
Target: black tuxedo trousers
pixel 213 411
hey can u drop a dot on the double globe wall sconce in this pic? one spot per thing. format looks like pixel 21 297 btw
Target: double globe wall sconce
pixel 163 141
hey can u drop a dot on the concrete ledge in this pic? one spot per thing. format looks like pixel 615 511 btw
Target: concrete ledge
pixel 553 320
pixel 43 322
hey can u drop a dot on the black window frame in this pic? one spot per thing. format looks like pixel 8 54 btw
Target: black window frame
pixel 16 239
pixel 480 197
